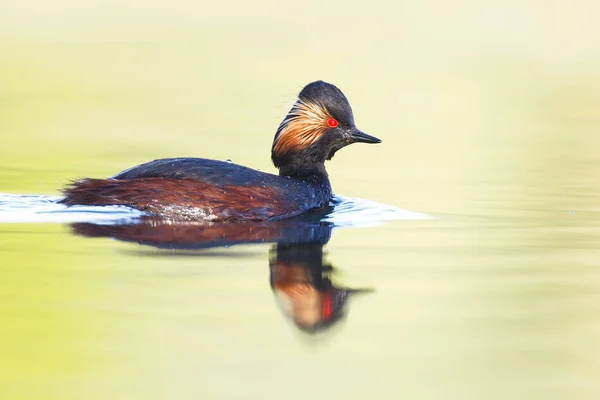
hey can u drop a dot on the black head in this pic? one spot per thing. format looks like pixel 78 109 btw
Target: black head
pixel 319 124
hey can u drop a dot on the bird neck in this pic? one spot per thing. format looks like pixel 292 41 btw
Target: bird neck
pixel 314 174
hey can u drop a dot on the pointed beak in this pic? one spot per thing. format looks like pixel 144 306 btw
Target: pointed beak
pixel 358 136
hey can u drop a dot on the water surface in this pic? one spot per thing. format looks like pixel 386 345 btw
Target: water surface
pixel 488 112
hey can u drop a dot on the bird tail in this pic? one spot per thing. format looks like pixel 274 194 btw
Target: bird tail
pixel 95 192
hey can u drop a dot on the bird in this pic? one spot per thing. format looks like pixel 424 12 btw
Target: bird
pixel 319 123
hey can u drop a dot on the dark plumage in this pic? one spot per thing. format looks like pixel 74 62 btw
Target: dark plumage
pixel 198 189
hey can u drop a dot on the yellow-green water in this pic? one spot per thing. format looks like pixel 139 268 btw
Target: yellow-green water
pixel 488 113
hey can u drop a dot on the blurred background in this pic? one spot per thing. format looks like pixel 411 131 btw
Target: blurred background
pixel 488 112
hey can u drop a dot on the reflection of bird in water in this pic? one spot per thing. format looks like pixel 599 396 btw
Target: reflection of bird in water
pixel 156 232
pixel 300 280
pixel 298 274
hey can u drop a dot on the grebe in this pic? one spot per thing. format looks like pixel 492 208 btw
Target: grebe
pixel 197 189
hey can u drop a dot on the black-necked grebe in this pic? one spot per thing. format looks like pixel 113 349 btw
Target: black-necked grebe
pixel 197 189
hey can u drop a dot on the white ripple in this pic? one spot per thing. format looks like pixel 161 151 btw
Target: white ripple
pixel 16 208
pixel 363 213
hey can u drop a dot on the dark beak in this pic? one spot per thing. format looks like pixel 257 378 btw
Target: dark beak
pixel 358 136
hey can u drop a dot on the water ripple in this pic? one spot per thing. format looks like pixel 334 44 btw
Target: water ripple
pixel 16 208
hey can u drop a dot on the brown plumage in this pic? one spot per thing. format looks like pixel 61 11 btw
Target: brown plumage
pixel 184 199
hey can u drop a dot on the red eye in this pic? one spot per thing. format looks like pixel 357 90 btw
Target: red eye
pixel 332 122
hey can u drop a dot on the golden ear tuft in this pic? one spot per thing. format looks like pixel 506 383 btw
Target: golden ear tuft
pixel 302 127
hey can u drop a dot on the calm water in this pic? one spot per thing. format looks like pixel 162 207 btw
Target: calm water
pixel 483 306
pixel 488 112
